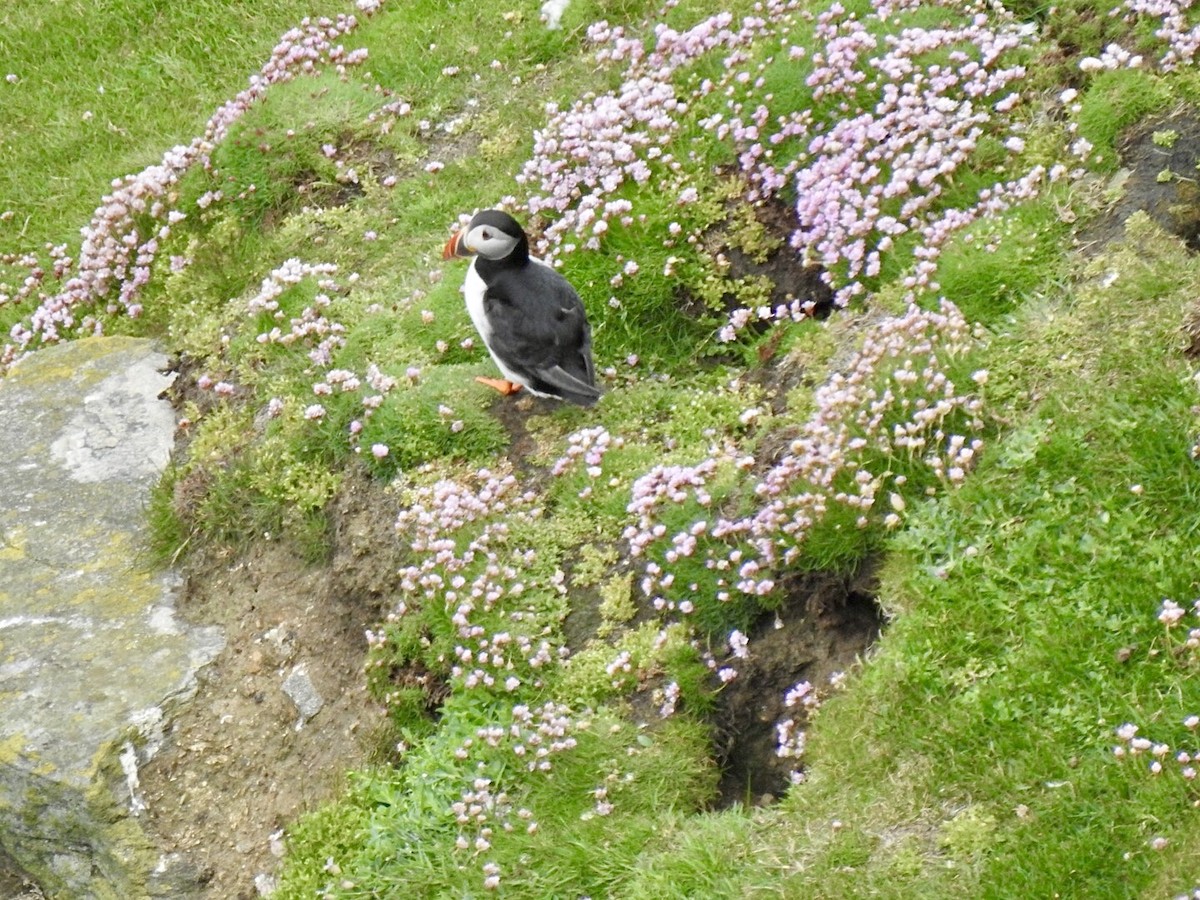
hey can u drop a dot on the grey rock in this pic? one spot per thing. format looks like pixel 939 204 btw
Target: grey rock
pixel 92 655
pixel 299 687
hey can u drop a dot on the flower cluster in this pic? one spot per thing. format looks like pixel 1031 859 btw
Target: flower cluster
pixel 322 336
pixel 1160 756
pixel 1183 42
pixel 469 582
pixel 122 241
pixel 311 327
pixel 1114 56
pixel 888 416
pixel 590 445
pixel 894 117
pixel 585 155
pixel 534 735
pixel 477 812
pixel 789 739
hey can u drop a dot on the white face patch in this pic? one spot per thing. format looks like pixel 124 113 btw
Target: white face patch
pixel 490 242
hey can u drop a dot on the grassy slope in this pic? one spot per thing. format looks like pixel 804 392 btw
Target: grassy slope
pixel 971 756
pixel 82 111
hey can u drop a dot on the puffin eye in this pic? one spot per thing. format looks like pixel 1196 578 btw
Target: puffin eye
pixel 487 235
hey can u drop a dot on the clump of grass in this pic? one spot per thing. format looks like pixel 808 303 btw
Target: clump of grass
pixel 1114 101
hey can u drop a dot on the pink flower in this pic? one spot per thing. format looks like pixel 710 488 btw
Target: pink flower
pixel 739 643
pixel 1170 613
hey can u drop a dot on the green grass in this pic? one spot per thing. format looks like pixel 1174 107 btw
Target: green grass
pixel 971 753
pixel 83 109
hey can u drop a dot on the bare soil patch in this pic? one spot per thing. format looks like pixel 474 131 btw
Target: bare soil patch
pixel 1159 174
pixel 240 761
pixel 14 883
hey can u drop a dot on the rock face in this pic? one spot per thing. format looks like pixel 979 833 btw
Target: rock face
pixel 92 656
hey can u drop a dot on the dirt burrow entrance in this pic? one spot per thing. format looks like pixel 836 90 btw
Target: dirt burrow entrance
pixel 824 627
pixel 1159 160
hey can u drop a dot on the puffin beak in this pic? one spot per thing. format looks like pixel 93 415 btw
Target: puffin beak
pixel 457 246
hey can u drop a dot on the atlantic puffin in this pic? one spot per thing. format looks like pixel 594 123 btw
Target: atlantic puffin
pixel 528 315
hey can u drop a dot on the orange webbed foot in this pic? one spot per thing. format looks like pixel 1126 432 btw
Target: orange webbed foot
pixel 502 385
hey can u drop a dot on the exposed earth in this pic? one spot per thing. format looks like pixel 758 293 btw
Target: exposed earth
pixel 242 760
pixel 14 884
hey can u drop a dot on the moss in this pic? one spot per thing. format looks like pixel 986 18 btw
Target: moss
pixel 747 232
pixel 971 833
pixel 593 564
pixel 616 603
pixel 655 654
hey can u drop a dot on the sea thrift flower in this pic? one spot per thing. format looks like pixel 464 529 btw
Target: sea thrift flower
pixel 552 11
pixel 893 400
pixel 670 699
pixel 738 643
pixel 1170 613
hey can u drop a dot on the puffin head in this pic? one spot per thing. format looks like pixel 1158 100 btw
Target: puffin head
pixel 491 234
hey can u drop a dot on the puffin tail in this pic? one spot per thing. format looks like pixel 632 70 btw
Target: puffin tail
pixel 569 387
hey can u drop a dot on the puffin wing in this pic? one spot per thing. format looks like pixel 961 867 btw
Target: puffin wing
pixel 539 329
pixel 568 385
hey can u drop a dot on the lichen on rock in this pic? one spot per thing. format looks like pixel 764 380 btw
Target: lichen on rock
pixel 91 654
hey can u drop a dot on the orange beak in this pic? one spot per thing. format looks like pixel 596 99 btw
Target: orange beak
pixel 457 246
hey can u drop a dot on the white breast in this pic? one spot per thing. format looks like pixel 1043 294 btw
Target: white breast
pixel 474 290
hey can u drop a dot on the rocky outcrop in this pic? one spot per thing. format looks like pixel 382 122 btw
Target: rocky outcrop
pixel 92 655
